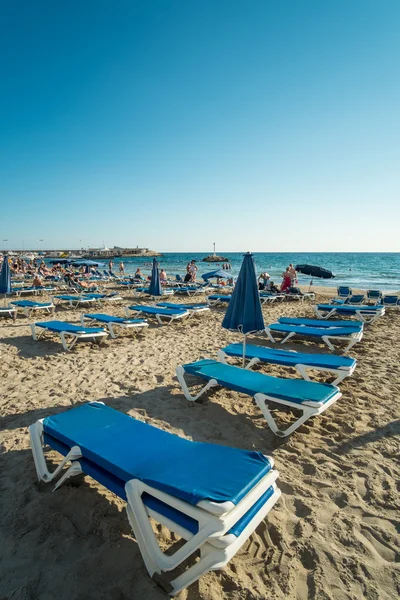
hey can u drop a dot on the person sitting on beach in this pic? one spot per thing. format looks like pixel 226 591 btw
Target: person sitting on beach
pixel 37 281
pixel 138 274
pixel 163 276
pixel 286 280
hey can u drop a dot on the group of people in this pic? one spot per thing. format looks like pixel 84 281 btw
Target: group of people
pixel 289 278
pixel 191 272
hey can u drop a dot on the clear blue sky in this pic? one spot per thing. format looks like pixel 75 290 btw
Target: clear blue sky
pixel 270 125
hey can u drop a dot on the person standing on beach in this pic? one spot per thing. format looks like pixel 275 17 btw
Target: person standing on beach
pixel 121 268
pixel 193 270
pixel 263 281
pixel 110 265
pixel 293 274
pixel 286 280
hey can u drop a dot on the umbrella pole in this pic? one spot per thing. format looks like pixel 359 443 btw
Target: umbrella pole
pixel 244 351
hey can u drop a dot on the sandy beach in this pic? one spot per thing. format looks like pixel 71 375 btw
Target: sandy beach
pixel 332 535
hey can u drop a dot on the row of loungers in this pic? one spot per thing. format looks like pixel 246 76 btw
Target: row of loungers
pixel 265 298
pixel 212 496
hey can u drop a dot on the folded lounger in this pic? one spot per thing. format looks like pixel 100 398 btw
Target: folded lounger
pixel 303 296
pixel 28 306
pixel 391 301
pixel 367 314
pixel 344 291
pixel 306 396
pixel 8 311
pixel 161 314
pixel 341 366
pixel 74 301
pixel 374 296
pixel 212 496
pixel 218 299
pixel 319 322
pixel 112 322
pixel 350 334
pixel 355 299
pixel 141 291
pixel 193 309
pixel 66 331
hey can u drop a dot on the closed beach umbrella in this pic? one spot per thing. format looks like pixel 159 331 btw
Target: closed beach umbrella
pixel 155 288
pixel 5 278
pixel 244 311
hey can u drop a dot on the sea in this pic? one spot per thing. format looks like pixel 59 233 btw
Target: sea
pixel 359 270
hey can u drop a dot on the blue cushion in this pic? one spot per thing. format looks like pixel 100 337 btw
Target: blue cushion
pixel 131 449
pixel 319 322
pixel 63 326
pixel 30 304
pixel 219 297
pixel 314 331
pixel 117 486
pixel 182 306
pixel 346 308
pixel 154 310
pixel 250 382
pixel 285 357
pixel 110 319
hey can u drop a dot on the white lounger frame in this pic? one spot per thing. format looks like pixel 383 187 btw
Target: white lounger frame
pixel 10 311
pixel 353 338
pixel 301 368
pixel 111 326
pixel 217 302
pixel 29 310
pixel 97 337
pixel 73 303
pixel 215 519
pixel 308 409
pixel 364 315
pixel 161 318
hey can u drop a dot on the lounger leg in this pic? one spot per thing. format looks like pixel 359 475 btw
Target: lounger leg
pixel 325 338
pixel 287 337
pixel 180 373
pixel 33 329
pixel 262 402
pixel 111 330
pixel 75 469
pixel 210 556
pixel 269 335
pixel 65 343
pixel 303 372
pixel 43 474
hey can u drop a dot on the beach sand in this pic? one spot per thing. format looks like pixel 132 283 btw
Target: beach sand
pixel 332 535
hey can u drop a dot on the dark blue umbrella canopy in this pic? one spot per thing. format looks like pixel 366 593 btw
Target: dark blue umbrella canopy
pixel 244 311
pixel 155 288
pixel 5 277
pixel 219 273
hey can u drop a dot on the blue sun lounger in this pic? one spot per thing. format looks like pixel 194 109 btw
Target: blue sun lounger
pixel 367 314
pixel 28 306
pixel 212 496
pixel 306 396
pixel 218 299
pixel 112 322
pixel 268 298
pixel 374 296
pixel 355 299
pixel 68 331
pixel 352 335
pixel 114 297
pixel 73 301
pixel 391 301
pixel 193 309
pixel 320 322
pixel 33 290
pixel 340 366
pixel 161 314
pixel 344 292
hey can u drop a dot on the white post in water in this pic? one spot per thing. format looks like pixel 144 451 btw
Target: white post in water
pixel 244 351
pixel 214 248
